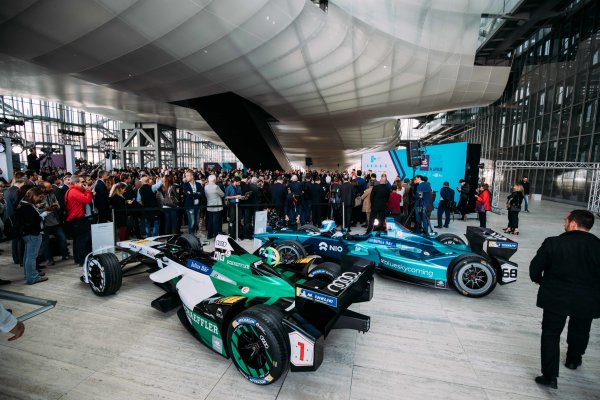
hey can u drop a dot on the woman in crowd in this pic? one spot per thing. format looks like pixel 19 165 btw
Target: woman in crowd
pixel 483 204
pixel 120 206
pixel 167 197
pixel 393 203
pixel 31 220
pixel 366 199
pixel 513 205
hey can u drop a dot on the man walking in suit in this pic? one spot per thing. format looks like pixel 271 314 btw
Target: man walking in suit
pixel 567 268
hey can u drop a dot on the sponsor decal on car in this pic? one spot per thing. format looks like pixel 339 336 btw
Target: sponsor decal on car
pixel 229 299
pixel 343 281
pixel 141 241
pixel 509 273
pixel 440 284
pixel 318 297
pixel 201 322
pixel 330 247
pixel 407 269
pixel 384 242
pixel 237 264
pixel 245 290
pixel 501 245
pixel 199 267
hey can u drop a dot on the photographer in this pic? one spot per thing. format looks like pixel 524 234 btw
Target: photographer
pixel 421 201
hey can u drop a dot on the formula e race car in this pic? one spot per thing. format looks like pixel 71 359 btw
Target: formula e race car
pixel 265 318
pixel 441 262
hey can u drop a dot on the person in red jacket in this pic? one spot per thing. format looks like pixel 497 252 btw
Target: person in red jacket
pixel 483 204
pixel 78 208
pixel 393 203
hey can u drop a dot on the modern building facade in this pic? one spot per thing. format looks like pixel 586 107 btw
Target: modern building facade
pixel 550 108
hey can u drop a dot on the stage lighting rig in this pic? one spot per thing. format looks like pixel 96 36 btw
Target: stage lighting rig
pixel 70 132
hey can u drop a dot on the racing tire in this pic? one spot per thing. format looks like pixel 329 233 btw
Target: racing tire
pixel 309 228
pixel 326 272
pixel 105 274
pixel 473 276
pixel 189 242
pixel 449 238
pixel 258 344
pixel 290 251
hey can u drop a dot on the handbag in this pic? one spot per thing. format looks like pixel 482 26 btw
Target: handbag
pixel 78 226
pixel 357 201
pixel 480 207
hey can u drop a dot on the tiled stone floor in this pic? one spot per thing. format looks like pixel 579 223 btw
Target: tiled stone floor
pixel 423 344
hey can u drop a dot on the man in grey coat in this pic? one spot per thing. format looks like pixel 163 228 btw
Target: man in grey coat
pixel 214 203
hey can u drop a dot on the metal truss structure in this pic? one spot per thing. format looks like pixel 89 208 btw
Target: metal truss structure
pixel 503 166
pixel 148 145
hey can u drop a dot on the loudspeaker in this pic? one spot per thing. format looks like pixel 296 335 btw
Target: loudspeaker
pixel 309 161
pixel 413 154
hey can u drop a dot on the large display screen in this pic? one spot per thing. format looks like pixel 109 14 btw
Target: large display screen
pixel 442 162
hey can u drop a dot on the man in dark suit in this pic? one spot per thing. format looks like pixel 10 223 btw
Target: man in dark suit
pixel 567 268
pixel 101 197
pixel 379 197
pixel 193 197
pixel 348 195
pixel 278 194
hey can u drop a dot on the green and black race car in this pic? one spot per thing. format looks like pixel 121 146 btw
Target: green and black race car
pixel 264 318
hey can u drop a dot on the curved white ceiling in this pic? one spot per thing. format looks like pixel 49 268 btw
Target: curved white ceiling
pixel 336 81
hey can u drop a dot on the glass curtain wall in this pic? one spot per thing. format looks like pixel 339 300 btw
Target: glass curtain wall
pixel 46 124
pixel 550 108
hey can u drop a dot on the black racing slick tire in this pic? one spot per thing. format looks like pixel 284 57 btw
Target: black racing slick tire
pixel 308 228
pixel 190 243
pixel 472 275
pixel 326 272
pixel 290 251
pixel 258 344
pixel 449 238
pixel 105 274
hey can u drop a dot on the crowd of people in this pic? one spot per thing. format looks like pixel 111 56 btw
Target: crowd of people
pixel 42 208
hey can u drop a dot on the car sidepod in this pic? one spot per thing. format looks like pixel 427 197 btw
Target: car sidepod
pixel 496 248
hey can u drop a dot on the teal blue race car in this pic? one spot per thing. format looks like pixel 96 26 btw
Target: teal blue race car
pixel 444 261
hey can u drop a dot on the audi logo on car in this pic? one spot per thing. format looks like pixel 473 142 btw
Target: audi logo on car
pixel 343 281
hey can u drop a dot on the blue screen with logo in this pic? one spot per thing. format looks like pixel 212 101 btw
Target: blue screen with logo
pixel 443 162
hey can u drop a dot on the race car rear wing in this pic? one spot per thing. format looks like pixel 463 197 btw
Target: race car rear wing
pixel 497 248
pixel 325 305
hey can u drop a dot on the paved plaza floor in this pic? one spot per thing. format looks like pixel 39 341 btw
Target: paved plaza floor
pixel 423 343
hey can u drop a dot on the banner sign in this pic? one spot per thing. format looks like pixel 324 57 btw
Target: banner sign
pixel 443 162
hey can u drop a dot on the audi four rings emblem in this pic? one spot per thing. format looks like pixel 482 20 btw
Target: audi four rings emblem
pixel 343 281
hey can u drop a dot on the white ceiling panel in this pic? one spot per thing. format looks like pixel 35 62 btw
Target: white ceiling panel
pixel 339 78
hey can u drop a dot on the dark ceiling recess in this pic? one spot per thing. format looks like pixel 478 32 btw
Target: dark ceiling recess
pixel 244 128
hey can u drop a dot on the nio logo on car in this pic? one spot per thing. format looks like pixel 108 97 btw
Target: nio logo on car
pixel 343 281
pixel 199 267
pixel 440 284
pixel 318 297
pixel 324 247
pixel 497 236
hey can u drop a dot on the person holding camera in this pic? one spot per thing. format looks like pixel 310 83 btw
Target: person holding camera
pixel 422 193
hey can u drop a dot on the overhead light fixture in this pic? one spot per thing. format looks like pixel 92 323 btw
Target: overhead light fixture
pixel 17 148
